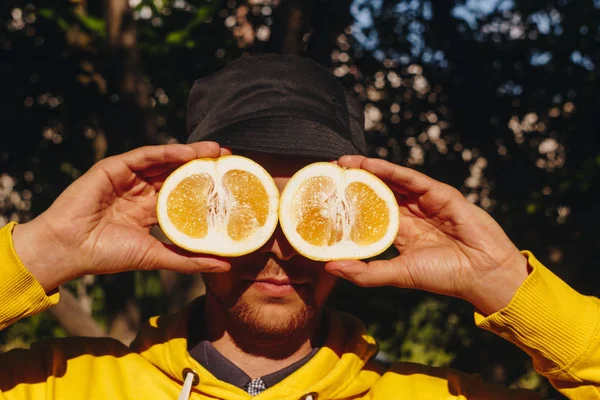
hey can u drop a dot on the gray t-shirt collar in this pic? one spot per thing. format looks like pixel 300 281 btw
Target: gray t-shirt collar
pixel 226 371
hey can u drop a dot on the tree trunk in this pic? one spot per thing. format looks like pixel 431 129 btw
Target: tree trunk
pixel 129 120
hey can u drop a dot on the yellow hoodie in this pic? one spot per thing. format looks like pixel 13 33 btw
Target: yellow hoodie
pixel 557 326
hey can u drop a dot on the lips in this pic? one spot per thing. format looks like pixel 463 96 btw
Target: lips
pixel 277 287
pixel 277 281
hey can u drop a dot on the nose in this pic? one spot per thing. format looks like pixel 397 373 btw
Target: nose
pixel 279 246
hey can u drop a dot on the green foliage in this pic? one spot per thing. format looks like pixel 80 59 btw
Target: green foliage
pixel 147 285
pixel 428 334
pixel 24 332
pixel 425 337
pixel 52 15
pixel 92 24
pixel 179 37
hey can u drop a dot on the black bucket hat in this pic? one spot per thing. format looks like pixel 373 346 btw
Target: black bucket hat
pixel 277 104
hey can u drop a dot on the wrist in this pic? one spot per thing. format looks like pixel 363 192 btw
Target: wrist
pixel 498 289
pixel 41 253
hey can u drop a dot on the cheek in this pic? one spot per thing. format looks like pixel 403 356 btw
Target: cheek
pixel 324 287
pixel 228 287
pixel 219 284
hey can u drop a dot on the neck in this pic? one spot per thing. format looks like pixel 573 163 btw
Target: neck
pixel 255 355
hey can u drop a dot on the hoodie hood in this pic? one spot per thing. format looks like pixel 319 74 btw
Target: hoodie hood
pixel 340 369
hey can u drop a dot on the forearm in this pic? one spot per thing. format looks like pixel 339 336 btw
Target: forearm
pixel 558 327
pixel 21 295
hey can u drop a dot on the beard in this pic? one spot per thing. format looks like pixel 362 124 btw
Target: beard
pixel 262 317
pixel 252 319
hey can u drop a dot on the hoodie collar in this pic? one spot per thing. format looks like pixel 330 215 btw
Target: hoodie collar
pixel 335 371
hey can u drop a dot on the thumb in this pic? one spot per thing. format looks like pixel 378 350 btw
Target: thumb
pixel 171 257
pixel 375 273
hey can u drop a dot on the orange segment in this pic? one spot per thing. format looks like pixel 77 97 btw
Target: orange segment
pixel 187 205
pixel 371 214
pixel 251 207
pixel 314 228
pixel 312 209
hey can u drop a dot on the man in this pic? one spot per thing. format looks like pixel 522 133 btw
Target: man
pixel 241 340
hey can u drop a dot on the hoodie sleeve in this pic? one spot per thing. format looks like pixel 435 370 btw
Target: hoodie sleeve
pixel 558 327
pixel 21 295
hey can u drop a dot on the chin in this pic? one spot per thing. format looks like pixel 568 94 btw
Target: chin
pixel 271 317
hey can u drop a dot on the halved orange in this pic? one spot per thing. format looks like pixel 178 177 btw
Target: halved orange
pixel 328 212
pixel 225 206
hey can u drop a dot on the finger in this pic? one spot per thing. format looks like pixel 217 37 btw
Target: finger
pixel 226 151
pixel 400 190
pixel 351 161
pixel 171 257
pixel 149 156
pixel 157 181
pixel 158 170
pixel 376 273
pixel 433 195
pixel 206 149
pixel 356 161
pixel 407 178
pixel 158 173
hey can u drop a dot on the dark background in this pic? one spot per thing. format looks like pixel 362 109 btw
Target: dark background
pixel 497 98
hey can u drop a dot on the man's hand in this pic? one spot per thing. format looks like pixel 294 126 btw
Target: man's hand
pixel 447 245
pixel 101 223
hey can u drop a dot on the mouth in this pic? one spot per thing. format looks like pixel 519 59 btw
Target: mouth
pixel 277 287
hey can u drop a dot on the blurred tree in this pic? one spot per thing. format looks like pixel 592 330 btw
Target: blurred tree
pixel 495 97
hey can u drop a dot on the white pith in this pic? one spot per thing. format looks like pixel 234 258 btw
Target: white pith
pixel 217 241
pixel 337 203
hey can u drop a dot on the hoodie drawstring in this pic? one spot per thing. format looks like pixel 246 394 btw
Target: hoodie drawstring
pixel 190 378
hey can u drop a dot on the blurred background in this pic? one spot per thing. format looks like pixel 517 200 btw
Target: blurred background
pixel 495 97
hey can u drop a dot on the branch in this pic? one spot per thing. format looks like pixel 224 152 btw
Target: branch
pixel 114 12
pixel 125 324
pixel 292 41
pixel 73 318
